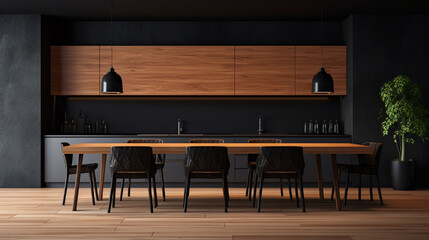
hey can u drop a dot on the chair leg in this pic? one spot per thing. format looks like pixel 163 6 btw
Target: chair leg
pixel 91 181
pixel 129 187
pixel 66 183
pixel 162 184
pixel 154 191
pixel 111 194
pixel 290 190
pixel 248 181
pixel 301 187
pixel 339 180
pixel 251 183
pixel 227 188
pixel 186 196
pixel 379 190
pixel 95 185
pixel 114 195
pixel 122 189
pixel 296 192
pixel 281 187
pixel 254 190
pixel 224 188
pixel 184 191
pixel 360 187
pixel 149 186
pixel 261 184
pixel 347 188
pixel 370 187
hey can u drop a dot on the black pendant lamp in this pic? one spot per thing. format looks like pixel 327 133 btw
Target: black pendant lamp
pixel 112 82
pixel 322 81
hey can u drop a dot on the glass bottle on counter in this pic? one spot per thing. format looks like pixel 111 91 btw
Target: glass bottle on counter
pixel 104 127
pixel 324 127
pixel 316 127
pixel 80 123
pixel 330 127
pixel 310 127
pixel 336 127
pixel 65 126
pixel 87 127
pixel 305 127
pixel 72 127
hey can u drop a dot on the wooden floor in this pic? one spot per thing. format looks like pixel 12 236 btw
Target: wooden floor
pixel 38 214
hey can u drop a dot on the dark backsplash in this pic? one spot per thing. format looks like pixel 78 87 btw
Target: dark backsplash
pixel 201 115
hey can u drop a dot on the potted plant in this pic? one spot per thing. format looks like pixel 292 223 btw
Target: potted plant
pixel 407 118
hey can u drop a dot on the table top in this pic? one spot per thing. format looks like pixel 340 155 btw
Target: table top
pixel 233 148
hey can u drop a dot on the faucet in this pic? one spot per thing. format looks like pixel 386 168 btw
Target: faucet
pixel 179 126
pixel 260 130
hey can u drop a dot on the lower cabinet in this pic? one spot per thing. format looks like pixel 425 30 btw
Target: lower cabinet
pixel 173 170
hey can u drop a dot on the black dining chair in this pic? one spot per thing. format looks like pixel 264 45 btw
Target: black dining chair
pixel 251 163
pixel 159 161
pixel 206 162
pixel 368 165
pixel 132 162
pixel 86 168
pixel 277 162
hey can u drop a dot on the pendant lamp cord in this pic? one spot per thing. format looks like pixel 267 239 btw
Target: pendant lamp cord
pixel 321 27
pixel 111 33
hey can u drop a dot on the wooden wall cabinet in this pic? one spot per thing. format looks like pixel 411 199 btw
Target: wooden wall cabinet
pixel 172 70
pixel 264 70
pixel 197 70
pixel 308 62
pixel 75 70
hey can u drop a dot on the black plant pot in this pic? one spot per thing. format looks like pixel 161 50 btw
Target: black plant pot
pixel 403 175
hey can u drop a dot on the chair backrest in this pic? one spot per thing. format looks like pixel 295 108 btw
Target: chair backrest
pixel 253 157
pixel 68 158
pixel 208 140
pixel 280 159
pixel 207 159
pixel 372 160
pixel 132 159
pixel 158 157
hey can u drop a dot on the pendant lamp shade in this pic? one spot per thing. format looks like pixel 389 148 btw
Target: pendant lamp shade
pixel 111 83
pixel 323 82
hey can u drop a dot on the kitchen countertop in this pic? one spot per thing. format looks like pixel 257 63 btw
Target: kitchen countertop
pixel 203 135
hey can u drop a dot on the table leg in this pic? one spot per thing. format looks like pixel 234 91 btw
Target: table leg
pixel 77 182
pixel 102 172
pixel 335 179
pixel 319 176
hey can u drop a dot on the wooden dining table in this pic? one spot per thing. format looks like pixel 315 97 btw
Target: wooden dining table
pixel 317 149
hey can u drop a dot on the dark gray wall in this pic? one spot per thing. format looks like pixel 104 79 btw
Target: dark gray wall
pixel 20 101
pixel 131 115
pixel 382 47
pixel 196 33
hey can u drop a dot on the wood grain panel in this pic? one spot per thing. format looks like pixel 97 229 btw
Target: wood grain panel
pixel 308 62
pixel 233 148
pixel 265 70
pixel 37 214
pixel 75 70
pixel 173 70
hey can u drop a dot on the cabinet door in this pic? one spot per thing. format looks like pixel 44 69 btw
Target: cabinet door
pixel 308 63
pixel 75 70
pixel 172 70
pixel 265 70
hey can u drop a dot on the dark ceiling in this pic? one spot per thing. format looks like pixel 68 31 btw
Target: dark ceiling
pixel 211 9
